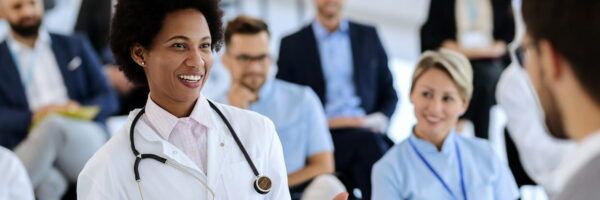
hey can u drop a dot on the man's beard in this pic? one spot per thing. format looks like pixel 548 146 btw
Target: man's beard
pixel 253 82
pixel 552 116
pixel 26 31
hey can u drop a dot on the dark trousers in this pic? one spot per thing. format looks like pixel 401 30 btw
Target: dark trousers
pixel 486 74
pixel 356 150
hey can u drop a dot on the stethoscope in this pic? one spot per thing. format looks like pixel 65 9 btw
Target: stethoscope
pixel 262 184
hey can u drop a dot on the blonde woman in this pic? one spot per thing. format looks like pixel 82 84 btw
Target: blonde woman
pixel 435 162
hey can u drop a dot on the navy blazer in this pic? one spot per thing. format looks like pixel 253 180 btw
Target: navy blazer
pixel 85 84
pixel 299 62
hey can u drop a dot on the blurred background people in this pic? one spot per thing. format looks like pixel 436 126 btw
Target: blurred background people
pixel 295 110
pixel 345 64
pixel 435 162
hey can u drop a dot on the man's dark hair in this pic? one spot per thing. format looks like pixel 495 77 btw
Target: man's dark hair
pixel 139 21
pixel 244 25
pixel 573 28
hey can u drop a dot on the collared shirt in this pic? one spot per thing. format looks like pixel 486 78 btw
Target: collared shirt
pixel 298 117
pixel 401 174
pixel 186 133
pixel 577 158
pixel 14 182
pixel 39 71
pixel 335 53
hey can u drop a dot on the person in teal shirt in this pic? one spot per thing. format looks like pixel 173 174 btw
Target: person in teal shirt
pixel 435 162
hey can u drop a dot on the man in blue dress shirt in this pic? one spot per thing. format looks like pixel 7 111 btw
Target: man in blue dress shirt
pixel 295 110
pixel 346 65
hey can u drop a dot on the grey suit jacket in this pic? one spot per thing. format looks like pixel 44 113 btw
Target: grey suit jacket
pixel 585 184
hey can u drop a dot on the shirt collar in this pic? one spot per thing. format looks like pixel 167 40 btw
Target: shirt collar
pixel 321 32
pixel 428 147
pixel 164 122
pixel 17 47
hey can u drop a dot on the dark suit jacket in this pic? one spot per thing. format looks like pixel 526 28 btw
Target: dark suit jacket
pixel 85 84
pixel 299 62
pixel 441 23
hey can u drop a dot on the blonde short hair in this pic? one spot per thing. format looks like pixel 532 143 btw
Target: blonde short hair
pixel 454 63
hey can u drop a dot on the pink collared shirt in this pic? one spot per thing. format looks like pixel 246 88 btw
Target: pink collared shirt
pixel 189 134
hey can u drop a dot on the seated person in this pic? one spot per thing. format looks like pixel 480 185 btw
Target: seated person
pixel 295 109
pixel 44 77
pixel 14 183
pixel 346 65
pixel 435 162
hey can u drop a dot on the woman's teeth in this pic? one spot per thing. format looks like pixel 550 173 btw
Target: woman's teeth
pixel 190 78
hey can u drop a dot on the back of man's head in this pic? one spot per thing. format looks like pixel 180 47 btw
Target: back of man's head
pixel 573 29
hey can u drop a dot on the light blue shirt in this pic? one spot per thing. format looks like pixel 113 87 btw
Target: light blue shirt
pixel 401 174
pixel 299 120
pixel 335 52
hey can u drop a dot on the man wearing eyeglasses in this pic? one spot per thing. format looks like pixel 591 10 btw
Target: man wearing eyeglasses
pixel 295 110
pixel 560 56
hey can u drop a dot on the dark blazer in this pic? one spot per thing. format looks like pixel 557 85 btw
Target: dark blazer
pixel 85 84
pixel 441 23
pixel 299 62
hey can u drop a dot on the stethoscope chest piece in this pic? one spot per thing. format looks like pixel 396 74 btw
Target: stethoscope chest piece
pixel 262 184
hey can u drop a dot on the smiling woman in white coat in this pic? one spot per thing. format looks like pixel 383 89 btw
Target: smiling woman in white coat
pixel 180 145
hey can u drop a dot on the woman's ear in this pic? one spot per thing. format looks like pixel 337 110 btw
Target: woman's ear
pixel 465 107
pixel 138 54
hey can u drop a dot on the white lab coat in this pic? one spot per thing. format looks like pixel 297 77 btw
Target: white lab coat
pixel 109 173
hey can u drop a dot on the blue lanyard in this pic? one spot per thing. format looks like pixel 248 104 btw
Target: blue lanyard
pixel 437 175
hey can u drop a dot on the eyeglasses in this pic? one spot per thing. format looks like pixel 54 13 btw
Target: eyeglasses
pixel 248 59
pixel 518 52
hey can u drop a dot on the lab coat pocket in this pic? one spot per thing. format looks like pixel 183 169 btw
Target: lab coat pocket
pixel 239 179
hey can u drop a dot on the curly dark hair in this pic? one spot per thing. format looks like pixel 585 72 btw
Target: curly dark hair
pixel 139 21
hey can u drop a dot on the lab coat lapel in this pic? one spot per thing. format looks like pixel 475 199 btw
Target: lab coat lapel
pixel 218 144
